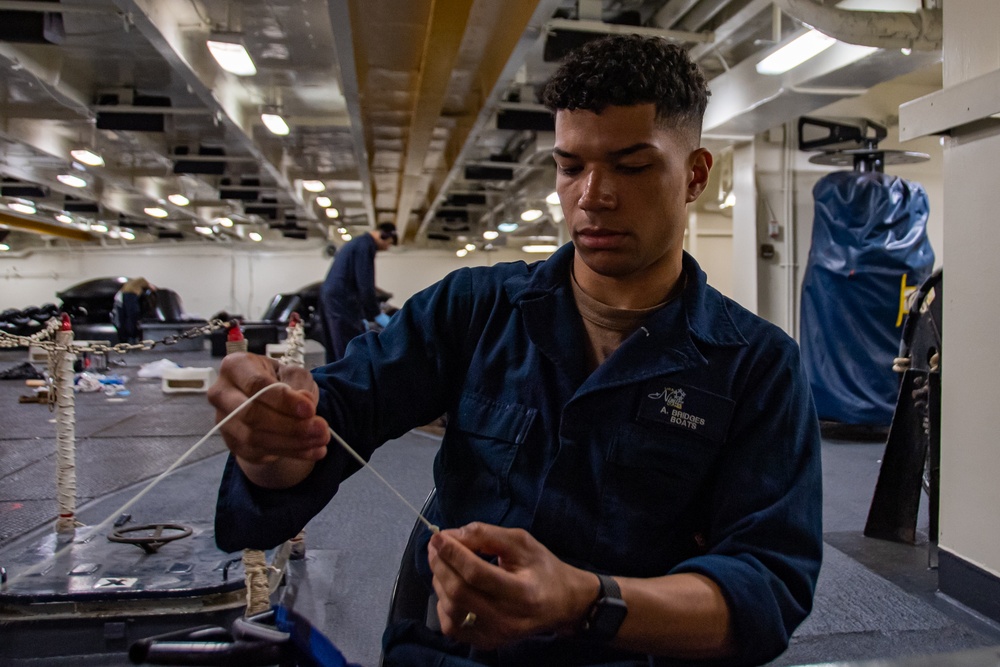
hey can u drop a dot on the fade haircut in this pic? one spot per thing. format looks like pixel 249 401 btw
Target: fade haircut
pixel 627 70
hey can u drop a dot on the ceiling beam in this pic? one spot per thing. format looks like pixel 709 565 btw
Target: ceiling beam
pixel 524 24
pixel 45 228
pixel 442 41
pixel 343 44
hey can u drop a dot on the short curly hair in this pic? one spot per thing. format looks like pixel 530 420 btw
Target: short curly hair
pixel 626 70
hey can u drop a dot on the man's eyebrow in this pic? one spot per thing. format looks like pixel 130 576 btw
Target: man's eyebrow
pixel 614 155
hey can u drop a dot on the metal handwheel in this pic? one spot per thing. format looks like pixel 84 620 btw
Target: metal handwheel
pixel 150 543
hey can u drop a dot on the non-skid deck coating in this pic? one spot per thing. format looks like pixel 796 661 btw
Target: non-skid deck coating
pixel 874 599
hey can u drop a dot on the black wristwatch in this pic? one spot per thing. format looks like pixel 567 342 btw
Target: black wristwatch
pixel 607 613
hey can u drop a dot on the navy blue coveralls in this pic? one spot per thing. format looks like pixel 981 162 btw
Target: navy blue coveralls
pixel 693 448
pixel 347 297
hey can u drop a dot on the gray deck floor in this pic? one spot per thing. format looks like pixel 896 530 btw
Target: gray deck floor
pixel 875 599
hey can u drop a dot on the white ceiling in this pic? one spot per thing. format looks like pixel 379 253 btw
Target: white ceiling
pixel 391 103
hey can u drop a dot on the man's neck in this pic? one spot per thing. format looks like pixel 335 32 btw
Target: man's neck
pixel 635 292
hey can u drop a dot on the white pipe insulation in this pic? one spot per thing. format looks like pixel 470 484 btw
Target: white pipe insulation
pixel 920 30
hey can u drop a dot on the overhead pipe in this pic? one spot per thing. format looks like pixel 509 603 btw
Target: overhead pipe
pixel 921 30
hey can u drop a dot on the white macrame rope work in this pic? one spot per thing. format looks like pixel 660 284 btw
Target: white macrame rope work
pixel 38 567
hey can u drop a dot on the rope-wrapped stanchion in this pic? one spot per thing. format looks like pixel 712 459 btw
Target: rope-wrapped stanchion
pixel 61 368
pixel 295 355
pixel 255 568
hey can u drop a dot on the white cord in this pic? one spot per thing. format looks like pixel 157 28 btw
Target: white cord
pixel 121 510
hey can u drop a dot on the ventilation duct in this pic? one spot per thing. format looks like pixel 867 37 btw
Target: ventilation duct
pixel 32 27
pixel 132 120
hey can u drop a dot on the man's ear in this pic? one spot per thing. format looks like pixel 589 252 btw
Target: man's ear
pixel 700 165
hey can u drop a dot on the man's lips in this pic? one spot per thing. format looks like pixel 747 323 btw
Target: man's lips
pixel 599 238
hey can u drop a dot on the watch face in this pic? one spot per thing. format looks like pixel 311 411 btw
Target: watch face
pixel 606 618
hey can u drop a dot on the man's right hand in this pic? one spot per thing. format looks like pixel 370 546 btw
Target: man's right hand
pixel 278 438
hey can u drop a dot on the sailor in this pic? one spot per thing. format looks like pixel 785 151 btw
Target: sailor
pixel 348 298
pixel 581 523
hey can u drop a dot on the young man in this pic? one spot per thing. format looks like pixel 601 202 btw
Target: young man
pixel 347 298
pixel 630 473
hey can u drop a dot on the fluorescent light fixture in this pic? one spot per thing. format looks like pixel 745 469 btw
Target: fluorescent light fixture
pixel 796 52
pixel 507 227
pixel 127 235
pixel 540 247
pixel 255 236
pixel 332 213
pixel 231 55
pixel 531 215
pixel 341 230
pixel 224 221
pixel 275 123
pixel 470 246
pixel 552 199
pixel 490 234
pixel 87 157
pixel 461 252
pixel 346 237
pixel 207 231
pixel 155 211
pixel 26 207
pixel 4 247
pixel 324 201
pixel 178 199
pixel 65 219
pixel 99 227
pixel 729 201
pixel 314 186
pixel 72 180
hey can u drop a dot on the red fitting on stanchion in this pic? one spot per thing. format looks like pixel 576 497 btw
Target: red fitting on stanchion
pixel 235 334
pixel 66 324
pixel 294 319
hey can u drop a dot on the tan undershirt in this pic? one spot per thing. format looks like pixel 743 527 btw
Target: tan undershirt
pixel 607 327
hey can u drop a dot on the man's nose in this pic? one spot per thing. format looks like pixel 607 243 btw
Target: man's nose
pixel 598 192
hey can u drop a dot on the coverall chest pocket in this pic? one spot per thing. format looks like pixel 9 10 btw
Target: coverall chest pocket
pixel 653 482
pixel 480 459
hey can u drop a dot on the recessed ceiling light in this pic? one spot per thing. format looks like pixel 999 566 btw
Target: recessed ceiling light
pixel 795 52
pixel 324 202
pixel 255 236
pixel 540 247
pixel 224 221
pixel 332 213
pixel 470 246
pixel 490 234
pixel 155 211
pixel 99 227
pixel 4 247
pixel 552 199
pixel 128 235
pixel 65 219
pixel 314 186
pixel 87 157
pixel 26 207
pixel 207 231
pixel 275 123
pixel 231 55
pixel 346 237
pixel 72 180
pixel 178 199
pixel 531 215
pixel 507 227
pixel 461 252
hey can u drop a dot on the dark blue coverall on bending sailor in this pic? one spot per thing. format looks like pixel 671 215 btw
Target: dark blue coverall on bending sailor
pixel 347 297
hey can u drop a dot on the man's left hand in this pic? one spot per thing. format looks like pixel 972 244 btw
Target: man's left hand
pixel 524 590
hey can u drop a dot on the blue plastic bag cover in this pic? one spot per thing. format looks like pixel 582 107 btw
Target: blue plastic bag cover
pixel 869 248
pixel 311 648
